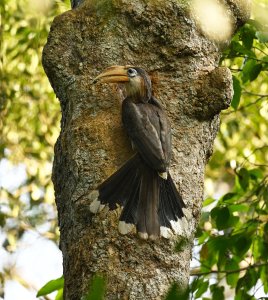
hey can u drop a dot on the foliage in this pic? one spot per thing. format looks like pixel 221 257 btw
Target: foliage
pixel 232 236
pixel 29 124
pixel 96 290
pixel 52 286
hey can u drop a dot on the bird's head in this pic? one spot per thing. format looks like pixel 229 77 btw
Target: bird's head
pixel 136 81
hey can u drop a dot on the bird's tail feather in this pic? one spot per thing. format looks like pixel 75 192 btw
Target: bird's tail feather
pixel 149 202
pixel 170 207
pixel 118 188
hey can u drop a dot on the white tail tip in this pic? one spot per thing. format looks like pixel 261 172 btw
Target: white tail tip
pixel 153 237
pixel 143 235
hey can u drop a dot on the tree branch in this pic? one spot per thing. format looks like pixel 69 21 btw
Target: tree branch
pixel 195 272
pixel 255 94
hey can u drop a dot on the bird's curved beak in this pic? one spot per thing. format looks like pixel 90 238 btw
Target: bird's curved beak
pixel 113 74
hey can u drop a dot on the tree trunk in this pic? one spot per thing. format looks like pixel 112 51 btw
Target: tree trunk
pixel 161 37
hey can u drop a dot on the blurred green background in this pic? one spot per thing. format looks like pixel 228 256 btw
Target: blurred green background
pixel 29 127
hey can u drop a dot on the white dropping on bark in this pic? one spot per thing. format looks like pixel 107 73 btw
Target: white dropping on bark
pixel 166 232
pixel 125 228
pixel 96 206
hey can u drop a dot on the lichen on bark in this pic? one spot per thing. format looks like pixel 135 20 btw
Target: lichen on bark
pixel 161 37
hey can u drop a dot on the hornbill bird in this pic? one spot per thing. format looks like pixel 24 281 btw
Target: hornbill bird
pixel 143 185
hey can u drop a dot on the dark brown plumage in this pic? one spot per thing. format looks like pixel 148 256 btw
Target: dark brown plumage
pixel 143 186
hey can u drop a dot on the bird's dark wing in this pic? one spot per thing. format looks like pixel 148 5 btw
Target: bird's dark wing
pixel 75 3
pixel 148 128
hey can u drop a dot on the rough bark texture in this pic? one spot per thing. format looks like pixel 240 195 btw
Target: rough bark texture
pixel 161 37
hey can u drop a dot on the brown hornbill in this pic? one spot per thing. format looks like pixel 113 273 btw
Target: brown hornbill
pixel 143 185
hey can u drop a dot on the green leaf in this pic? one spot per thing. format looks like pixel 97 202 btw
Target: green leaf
pixel 255 71
pixel 241 294
pixel 241 243
pixel 202 288
pixel 229 197
pixel 217 292
pixel 259 248
pixel 205 216
pixel 202 238
pixel 233 220
pixel 208 201
pixel 256 174
pixel 237 93
pixel 96 288
pixel 247 41
pixel 216 244
pixel 59 295
pixel 262 36
pixel 251 70
pixel 251 278
pixel 238 208
pixel 263 277
pixel 194 285
pixel 237 49
pixel 265 59
pixel 232 278
pixel 51 286
pixel 247 34
pixel 247 69
pixel 221 216
pixel 252 226
pixel 243 177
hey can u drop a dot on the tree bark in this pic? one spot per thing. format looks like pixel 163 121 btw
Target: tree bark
pixel 162 38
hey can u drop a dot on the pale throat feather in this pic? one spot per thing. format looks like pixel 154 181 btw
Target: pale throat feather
pixel 135 88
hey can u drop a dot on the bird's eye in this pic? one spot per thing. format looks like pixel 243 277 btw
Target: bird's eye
pixel 132 72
